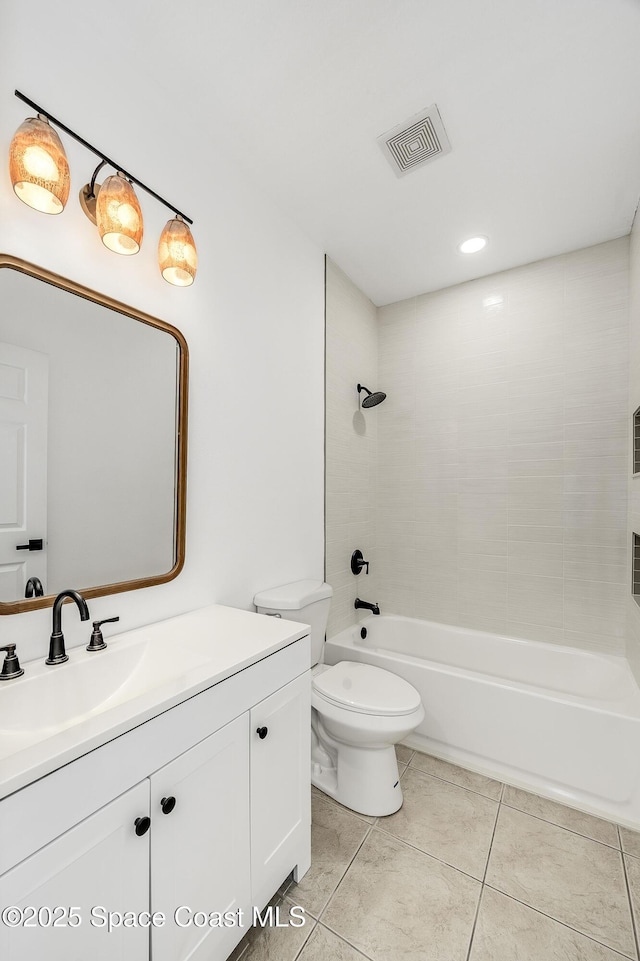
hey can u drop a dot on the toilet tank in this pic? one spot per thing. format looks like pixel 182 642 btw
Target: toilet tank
pixel 304 601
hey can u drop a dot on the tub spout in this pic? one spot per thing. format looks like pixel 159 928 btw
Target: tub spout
pixel 365 605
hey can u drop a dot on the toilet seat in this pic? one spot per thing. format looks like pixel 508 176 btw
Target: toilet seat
pixel 366 689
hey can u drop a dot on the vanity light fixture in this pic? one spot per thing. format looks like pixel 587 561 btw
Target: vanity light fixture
pixel 38 166
pixel 40 177
pixel 177 253
pixel 118 216
pixel 472 245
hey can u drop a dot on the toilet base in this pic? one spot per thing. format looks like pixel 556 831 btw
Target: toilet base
pixel 364 780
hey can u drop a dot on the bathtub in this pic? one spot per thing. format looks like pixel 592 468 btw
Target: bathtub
pixel 558 721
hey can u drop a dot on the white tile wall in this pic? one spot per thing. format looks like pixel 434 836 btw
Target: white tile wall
pixel 502 452
pixel 351 474
pixel 499 470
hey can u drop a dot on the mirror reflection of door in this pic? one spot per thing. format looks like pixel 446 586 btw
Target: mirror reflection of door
pixel 24 377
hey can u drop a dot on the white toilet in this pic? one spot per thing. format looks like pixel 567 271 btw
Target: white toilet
pixel 358 712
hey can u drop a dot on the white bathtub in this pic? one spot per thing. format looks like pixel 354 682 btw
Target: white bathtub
pixel 562 722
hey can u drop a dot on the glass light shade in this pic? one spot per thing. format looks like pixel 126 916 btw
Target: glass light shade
pixel 38 167
pixel 118 216
pixel 177 255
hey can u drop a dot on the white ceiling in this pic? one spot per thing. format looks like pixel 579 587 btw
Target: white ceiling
pixel 540 99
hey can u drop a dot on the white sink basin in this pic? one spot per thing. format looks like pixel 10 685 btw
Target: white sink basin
pixel 47 698
pixel 50 698
pixel 53 714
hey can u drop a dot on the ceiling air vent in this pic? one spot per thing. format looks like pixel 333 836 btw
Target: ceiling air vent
pixel 416 142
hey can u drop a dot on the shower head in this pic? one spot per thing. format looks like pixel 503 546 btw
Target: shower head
pixel 372 399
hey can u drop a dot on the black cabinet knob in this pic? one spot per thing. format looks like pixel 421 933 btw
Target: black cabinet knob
pixel 142 825
pixel 167 804
pixel 262 732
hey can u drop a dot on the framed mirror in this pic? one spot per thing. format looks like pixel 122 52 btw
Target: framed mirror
pixel 93 442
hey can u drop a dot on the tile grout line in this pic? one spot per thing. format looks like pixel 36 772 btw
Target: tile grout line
pixel 304 943
pixel 587 837
pixel 471 790
pixel 344 873
pixel 631 911
pixel 482 882
pixel 427 854
pixel 564 924
pixel 344 941
pixel 475 922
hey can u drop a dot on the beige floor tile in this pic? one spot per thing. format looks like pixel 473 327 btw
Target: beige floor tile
pixel 404 754
pixel 633 876
pixel 398 904
pixel 444 820
pixel 324 945
pixel 336 835
pixel 457 775
pixel 315 792
pixel 566 817
pixel 507 930
pixel 630 841
pixel 272 943
pixel 566 876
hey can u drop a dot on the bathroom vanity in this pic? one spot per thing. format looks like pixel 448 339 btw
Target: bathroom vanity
pixel 180 792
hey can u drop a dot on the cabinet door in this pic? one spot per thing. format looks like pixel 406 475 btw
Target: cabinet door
pixel 99 864
pixel 200 849
pixel 280 788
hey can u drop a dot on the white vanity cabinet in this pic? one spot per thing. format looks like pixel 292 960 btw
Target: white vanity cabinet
pixel 229 819
pixel 280 788
pixel 100 862
pixel 200 849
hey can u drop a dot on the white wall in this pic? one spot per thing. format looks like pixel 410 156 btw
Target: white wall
pixel 633 605
pixel 254 321
pixel 351 446
pixel 503 452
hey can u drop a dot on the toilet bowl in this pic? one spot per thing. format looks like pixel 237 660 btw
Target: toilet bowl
pixel 358 712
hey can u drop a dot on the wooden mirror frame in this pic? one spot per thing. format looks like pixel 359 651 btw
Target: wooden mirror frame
pixel 39 273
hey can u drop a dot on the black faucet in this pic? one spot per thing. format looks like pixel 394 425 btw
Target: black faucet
pixel 366 606
pixel 34 588
pixel 57 653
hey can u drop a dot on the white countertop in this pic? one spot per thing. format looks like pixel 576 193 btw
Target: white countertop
pixel 141 674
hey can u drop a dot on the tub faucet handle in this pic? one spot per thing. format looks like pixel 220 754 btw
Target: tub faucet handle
pixel 358 562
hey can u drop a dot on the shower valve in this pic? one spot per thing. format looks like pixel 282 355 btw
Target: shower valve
pixel 358 562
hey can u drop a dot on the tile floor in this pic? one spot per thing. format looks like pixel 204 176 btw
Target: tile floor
pixel 467 870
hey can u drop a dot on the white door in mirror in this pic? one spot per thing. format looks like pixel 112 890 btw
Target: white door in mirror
pixel 24 381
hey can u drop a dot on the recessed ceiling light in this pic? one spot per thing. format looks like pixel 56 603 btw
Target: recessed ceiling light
pixel 472 245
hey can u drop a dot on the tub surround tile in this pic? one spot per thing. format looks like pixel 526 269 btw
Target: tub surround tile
pixel 457 775
pixel 586 824
pixel 398 904
pixel 527 399
pixel 336 836
pixel 630 841
pixel 444 820
pixel 572 879
pixel 507 930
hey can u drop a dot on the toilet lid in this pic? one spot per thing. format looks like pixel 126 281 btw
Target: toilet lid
pixel 367 689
